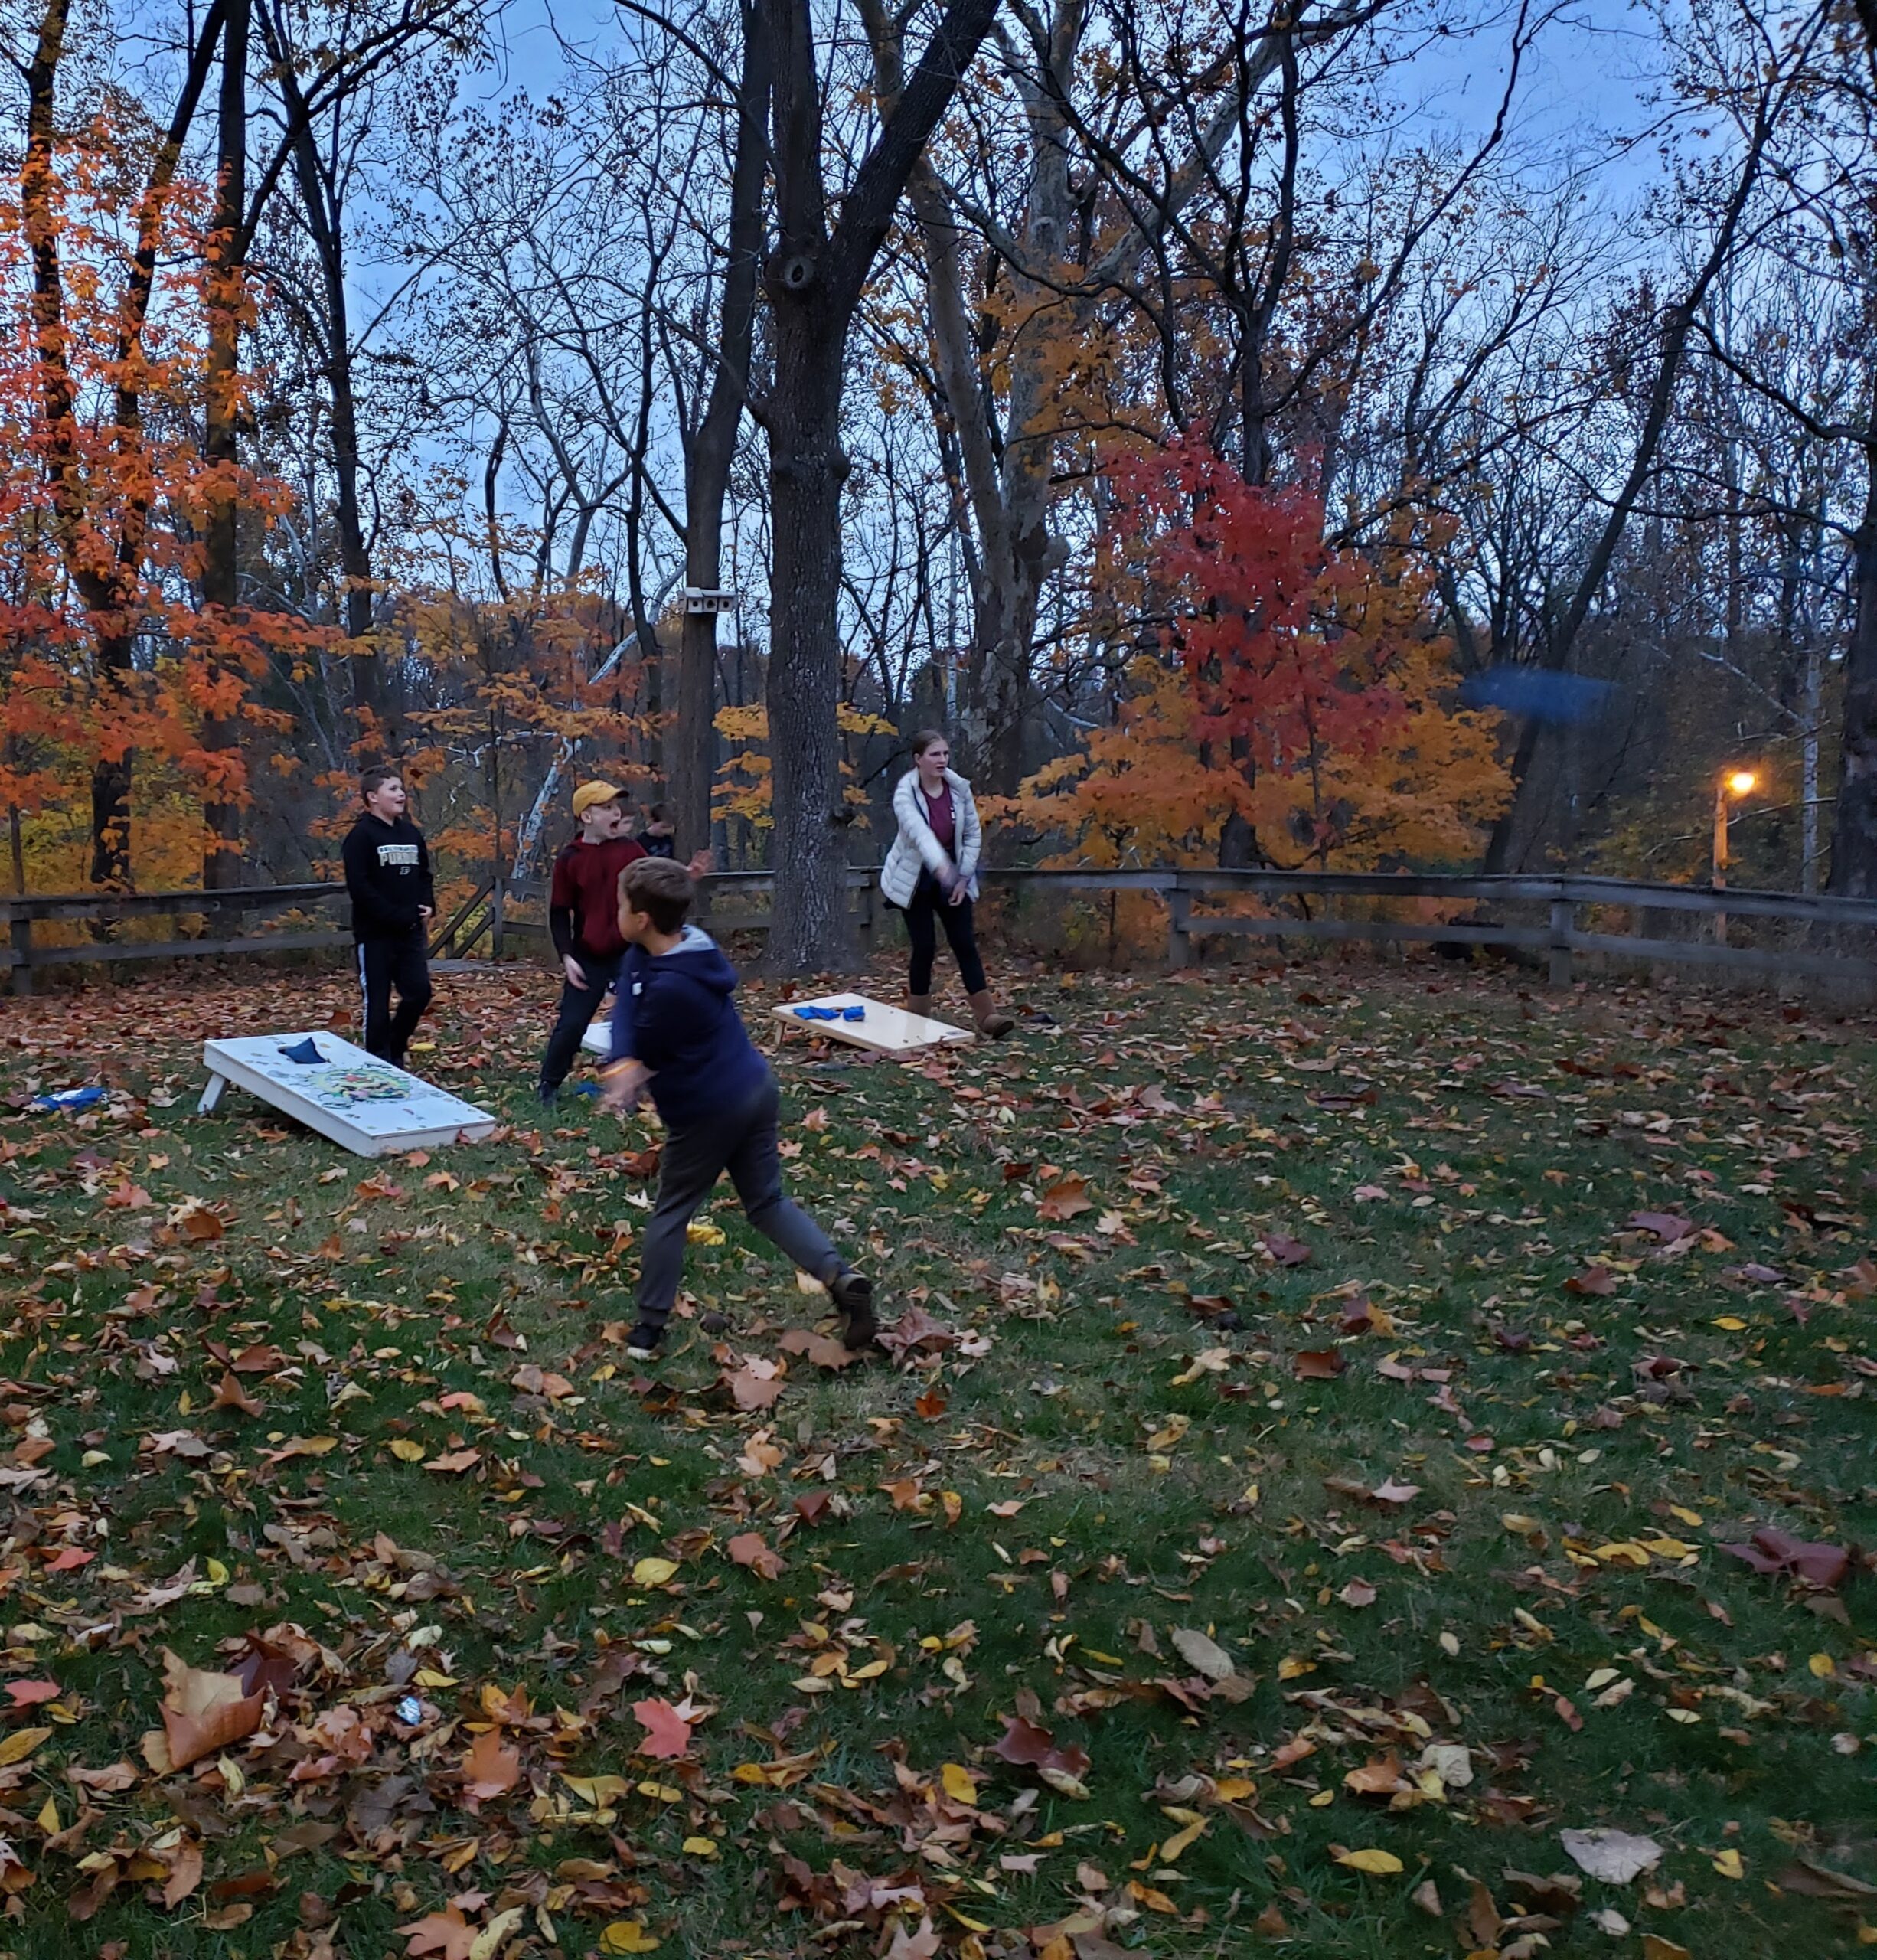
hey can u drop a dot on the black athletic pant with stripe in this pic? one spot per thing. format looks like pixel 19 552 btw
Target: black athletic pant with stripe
pixel 384 964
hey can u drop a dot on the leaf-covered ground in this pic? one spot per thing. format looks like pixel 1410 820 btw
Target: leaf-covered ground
pixel 1299 1502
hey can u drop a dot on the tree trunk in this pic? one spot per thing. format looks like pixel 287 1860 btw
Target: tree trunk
pixel 1854 833
pixel 692 746
pixel 806 469
pixel 815 281
pixel 223 793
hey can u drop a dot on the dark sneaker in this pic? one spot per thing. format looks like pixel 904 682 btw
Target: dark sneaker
pixel 641 1344
pixel 853 1295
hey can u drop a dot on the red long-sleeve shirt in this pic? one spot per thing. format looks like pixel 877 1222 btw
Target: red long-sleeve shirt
pixel 584 901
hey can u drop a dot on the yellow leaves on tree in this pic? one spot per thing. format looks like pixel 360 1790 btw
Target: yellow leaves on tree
pixel 743 784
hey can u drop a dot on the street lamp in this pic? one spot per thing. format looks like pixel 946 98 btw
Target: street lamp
pixel 1736 783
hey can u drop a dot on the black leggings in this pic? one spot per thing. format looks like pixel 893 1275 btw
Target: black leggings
pixel 928 900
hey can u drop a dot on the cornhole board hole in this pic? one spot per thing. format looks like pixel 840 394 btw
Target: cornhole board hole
pixel 344 1093
pixel 886 1031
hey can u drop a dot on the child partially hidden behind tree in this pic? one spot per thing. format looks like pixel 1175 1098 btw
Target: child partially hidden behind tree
pixel 677 1033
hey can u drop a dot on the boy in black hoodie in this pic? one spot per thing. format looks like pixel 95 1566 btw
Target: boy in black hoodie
pixel 677 1033
pixel 387 877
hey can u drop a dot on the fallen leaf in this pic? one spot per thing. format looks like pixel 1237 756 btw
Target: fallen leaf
pixel 446 1934
pixel 490 1768
pixel 1381 1864
pixel 1064 1199
pixel 821 1349
pixel 1613 1855
pixel 749 1548
pixel 668 1733
pixel 203 1711
pixel 1667 1226
pixel 1024 1743
pixel 756 1385
pixel 627 1936
pixel 185 1873
pixel 1318 1363
pixel 1203 1654
pixel 1775 1553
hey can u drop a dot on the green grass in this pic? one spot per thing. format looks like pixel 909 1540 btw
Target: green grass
pixel 1455 1151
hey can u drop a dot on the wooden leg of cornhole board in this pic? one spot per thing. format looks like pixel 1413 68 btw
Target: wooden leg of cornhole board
pixel 211 1095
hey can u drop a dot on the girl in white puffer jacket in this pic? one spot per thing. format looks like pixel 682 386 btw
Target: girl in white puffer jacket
pixel 930 875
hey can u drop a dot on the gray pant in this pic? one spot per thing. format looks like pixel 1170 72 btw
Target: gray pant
pixel 742 1142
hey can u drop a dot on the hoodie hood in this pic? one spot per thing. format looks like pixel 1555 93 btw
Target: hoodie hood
pixel 700 959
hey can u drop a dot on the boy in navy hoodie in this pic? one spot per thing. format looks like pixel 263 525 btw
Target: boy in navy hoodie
pixel 676 1035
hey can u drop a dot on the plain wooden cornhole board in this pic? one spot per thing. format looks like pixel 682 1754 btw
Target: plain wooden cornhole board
pixel 367 1105
pixel 886 1031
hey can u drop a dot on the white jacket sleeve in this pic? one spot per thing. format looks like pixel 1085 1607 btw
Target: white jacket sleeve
pixel 968 834
pixel 914 829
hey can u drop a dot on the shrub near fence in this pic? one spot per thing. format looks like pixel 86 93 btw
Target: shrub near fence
pixel 1558 921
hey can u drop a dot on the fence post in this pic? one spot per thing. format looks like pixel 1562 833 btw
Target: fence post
pixel 1179 927
pixel 495 916
pixel 19 936
pixel 1561 910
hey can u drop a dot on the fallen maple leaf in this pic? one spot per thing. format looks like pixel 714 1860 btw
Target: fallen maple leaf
pixel 1596 1281
pixel 667 1734
pixel 1284 1249
pixel 489 1768
pixel 756 1385
pixel 185 1873
pixel 231 1395
pixel 921 1945
pixel 203 1711
pixel 197 1222
pixel 447 1934
pixel 1669 1227
pixel 1318 1363
pixel 29 1694
pixel 1774 1552
pixel 819 1348
pixel 1026 1745
pixel 1064 1199
pixel 749 1548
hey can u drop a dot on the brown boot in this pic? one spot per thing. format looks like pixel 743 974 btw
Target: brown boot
pixel 991 1024
pixel 919 1004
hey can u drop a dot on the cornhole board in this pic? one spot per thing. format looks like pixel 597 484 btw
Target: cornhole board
pixel 886 1031
pixel 367 1105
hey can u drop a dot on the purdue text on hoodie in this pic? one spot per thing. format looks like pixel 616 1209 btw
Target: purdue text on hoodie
pixel 674 1014
pixel 387 873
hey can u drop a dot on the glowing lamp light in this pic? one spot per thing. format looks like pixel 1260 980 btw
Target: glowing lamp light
pixel 1741 782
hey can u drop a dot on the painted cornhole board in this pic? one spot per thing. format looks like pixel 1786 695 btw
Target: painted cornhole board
pixel 356 1100
pixel 886 1031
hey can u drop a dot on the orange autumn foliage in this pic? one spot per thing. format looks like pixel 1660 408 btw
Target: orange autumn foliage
pixel 104 489
pixel 1296 687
